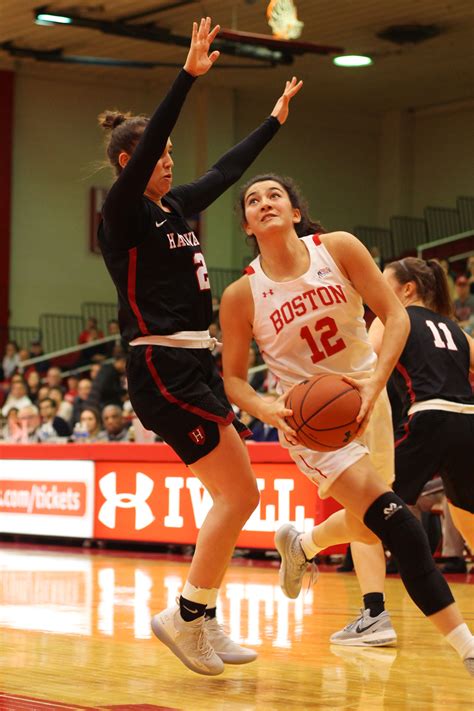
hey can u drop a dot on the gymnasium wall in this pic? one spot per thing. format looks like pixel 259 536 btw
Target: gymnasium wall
pixel 443 164
pixel 353 169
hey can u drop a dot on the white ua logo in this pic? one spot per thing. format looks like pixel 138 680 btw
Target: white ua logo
pixel 113 501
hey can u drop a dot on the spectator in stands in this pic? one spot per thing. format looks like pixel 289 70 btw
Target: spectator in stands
pixel 94 371
pixel 24 355
pixel 113 348
pixel 464 304
pixel 42 393
pixel 71 388
pixel 64 407
pixel 50 421
pixel 36 351
pixel 95 353
pixel 470 273
pixel 33 385
pixel 17 396
pixel 91 325
pixel 11 359
pixel 80 401
pixel 115 428
pixel 108 388
pixel 90 420
pixel 29 421
pixel 376 255
pixel 54 378
pixel 11 430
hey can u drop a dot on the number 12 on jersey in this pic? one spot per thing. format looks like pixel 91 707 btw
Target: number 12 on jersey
pixel 327 330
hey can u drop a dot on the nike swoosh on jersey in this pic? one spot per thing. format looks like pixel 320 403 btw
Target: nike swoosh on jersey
pixel 158 224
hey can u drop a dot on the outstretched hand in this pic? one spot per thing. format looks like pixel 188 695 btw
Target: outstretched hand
pixel 199 61
pixel 281 108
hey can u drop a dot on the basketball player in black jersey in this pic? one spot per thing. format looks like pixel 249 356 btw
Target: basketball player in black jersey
pixel 156 262
pixel 436 434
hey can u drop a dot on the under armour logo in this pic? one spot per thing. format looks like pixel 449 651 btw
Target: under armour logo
pixel 113 501
pixel 390 510
pixel 267 293
pixel 198 436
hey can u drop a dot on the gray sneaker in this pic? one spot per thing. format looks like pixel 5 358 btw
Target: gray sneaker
pixel 293 560
pixel 469 664
pixel 188 640
pixel 226 649
pixel 367 631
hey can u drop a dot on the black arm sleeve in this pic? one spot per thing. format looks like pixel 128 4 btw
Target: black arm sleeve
pixel 124 200
pixel 196 196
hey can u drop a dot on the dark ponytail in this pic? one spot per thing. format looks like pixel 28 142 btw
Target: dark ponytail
pixel 306 226
pixel 125 132
pixel 430 279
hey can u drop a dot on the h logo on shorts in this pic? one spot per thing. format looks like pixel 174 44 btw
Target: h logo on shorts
pixel 198 436
pixel 113 501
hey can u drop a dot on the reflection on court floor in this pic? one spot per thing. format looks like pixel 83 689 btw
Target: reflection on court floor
pixel 75 633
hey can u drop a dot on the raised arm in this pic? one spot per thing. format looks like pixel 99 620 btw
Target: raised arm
pixel 133 180
pixel 198 195
pixel 236 316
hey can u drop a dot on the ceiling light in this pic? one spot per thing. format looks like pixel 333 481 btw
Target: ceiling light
pixel 46 18
pixel 352 60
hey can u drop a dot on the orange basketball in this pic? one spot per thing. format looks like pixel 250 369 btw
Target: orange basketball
pixel 324 412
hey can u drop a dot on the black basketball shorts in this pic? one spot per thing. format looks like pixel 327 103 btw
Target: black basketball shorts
pixel 179 394
pixel 435 442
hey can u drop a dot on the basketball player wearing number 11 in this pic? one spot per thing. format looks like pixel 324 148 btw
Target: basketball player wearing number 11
pixel 302 301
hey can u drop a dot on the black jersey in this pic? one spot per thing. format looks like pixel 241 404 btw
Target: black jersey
pixel 435 360
pixel 153 256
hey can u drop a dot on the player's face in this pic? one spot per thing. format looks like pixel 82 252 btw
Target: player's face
pixel 162 176
pixel 268 208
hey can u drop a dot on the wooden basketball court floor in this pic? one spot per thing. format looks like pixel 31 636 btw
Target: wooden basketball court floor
pixel 75 634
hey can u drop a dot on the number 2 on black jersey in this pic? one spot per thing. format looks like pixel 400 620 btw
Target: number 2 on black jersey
pixel 438 341
pixel 201 271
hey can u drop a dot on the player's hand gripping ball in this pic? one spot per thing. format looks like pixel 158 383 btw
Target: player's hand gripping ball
pixel 325 408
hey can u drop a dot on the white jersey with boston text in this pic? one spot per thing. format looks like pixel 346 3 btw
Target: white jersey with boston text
pixel 310 325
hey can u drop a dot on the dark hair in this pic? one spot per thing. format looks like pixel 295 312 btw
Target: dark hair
pixel 50 400
pixel 430 280
pixel 125 132
pixel 95 412
pixel 307 225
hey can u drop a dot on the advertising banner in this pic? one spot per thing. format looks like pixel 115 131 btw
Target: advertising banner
pixel 164 502
pixel 47 497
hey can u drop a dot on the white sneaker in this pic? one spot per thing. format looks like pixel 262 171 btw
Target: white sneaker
pixel 188 640
pixel 293 561
pixel 230 652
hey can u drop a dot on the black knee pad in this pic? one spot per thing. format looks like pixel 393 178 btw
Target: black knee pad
pixel 390 519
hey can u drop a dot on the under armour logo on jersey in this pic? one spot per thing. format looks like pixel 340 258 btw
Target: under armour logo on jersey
pixel 267 293
pixel 113 501
pixel 198 436
pixel 390 510
pixel 324 272
pixel 158 224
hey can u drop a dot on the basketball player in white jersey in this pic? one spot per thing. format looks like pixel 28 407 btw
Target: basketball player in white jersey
pixel 302 301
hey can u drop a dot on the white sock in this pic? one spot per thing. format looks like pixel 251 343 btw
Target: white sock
pixel 194 594
pixel 214 592
pixel 461 639
pixel 308 545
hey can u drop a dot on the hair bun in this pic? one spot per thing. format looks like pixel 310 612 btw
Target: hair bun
pixel 109 120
